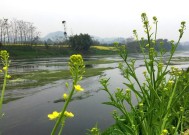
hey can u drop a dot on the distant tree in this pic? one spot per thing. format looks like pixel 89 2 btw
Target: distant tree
pixel 17 31
pixel 130 39
pixel 95 42
pixel 80 42
pixel 134 47
pixel 49 42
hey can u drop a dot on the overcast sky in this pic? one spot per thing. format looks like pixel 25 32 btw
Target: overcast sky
pixel 104 18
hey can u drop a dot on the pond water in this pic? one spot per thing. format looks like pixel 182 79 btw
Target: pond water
pixel 28 115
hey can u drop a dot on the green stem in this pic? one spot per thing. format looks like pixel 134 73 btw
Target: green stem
pixel 62 126
pixel 136 79
pixel 3 90
pixel 178 123
pixel 63 110
pixel 172 55
pixel 168 106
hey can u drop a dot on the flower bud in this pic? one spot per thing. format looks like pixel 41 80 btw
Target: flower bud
pixel 165 131
pixel 65 96
pixel 155 18
pixel 5 68
pixel 8 76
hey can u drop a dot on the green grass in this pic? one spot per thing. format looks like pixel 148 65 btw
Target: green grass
pixel 26 51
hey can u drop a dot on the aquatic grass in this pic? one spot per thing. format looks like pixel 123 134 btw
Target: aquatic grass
pixel 43 77
pixel 161 97
pixel 100 61
pixel 88 62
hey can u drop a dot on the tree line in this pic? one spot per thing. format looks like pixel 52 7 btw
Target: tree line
pixel 21 32
pixel 17 32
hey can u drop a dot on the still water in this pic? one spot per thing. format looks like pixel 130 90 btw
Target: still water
pixel 28 115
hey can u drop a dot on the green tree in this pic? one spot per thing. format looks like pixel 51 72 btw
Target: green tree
pixel 80 42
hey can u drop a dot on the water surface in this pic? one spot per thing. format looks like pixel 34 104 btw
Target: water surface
pixel 28 114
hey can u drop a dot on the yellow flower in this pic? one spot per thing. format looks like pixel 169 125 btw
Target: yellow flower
pixel 65 96
pixel 54 115
pixel 5 68
pixel 78 88
pixel 68 114
pixel 1 71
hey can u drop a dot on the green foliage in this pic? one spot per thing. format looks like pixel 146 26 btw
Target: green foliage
pixel 162 98
pixel 80 42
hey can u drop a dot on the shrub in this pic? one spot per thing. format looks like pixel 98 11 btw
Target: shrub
pixel 80 42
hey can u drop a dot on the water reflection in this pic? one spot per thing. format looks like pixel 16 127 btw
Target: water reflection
pixel 59 63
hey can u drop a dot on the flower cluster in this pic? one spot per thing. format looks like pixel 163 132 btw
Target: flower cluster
pixel 183 27
pixel 4 54
pixel 175 71
pixel 77 67
pixel 76 60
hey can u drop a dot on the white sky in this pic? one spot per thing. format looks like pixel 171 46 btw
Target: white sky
pixel 104 18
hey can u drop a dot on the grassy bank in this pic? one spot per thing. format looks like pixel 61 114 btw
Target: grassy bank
pixel 37 51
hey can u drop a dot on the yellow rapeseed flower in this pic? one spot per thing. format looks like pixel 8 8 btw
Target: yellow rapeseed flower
pixel 68 114
pixel 65 96
pixel 78 88
pixel 53 115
